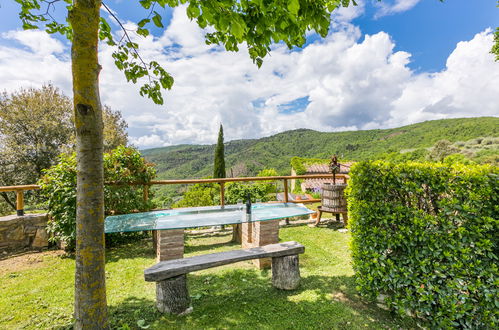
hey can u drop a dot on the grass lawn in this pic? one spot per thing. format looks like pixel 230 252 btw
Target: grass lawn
pixel 36 290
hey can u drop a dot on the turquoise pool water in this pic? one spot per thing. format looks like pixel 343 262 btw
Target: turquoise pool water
pixel 202 216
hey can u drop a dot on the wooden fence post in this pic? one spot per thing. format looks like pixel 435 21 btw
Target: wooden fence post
pixel 20 202
pixel 222 194
pixel 286 197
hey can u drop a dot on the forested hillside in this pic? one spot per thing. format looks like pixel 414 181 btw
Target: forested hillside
pixel 247 157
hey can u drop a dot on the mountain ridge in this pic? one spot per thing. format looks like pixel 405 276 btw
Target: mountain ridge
pixel 247 157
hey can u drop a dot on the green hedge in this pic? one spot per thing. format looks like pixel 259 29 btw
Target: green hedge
pixel 425 239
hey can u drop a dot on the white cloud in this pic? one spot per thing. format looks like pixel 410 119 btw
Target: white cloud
pixel 38 42
pixel 347 14
pixel 37 61
pixel 147 141
pixel 350 83
pixel 467 87
pixel 387 7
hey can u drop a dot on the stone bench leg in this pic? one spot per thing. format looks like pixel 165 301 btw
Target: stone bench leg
pixel 286 272
pixel 172 296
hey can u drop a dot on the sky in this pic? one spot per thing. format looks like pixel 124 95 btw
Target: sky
pixel 383 64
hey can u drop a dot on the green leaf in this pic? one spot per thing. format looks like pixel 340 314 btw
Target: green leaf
pixel 146 3
pixel 143 22
pixel 157 20
pixel 193 11
pixel 294 6
pixel 143 32
pixel 237 30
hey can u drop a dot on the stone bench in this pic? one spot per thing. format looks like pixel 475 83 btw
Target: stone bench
pixel 172 295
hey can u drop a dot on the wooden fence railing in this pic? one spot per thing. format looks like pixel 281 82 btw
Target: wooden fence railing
pixel 19 190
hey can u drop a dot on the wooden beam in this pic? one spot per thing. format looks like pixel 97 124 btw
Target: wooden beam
pixel 23 187
pixel 259 178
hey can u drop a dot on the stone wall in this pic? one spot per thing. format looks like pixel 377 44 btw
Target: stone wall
pixel 19 232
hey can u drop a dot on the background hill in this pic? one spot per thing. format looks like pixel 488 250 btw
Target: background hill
pixel 247 157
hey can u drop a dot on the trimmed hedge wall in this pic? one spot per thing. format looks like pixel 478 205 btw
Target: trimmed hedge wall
pixel 425 240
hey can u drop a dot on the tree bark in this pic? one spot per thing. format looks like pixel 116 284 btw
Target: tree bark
pixel 90 288
pixel 172 296
pixel 286 272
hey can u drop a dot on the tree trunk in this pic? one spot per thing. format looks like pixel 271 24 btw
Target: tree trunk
pixel 90 287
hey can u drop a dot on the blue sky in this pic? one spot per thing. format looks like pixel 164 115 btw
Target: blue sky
pixel 370 72
pixel 429 30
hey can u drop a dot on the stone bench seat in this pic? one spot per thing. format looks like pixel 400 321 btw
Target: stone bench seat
pixel 172 295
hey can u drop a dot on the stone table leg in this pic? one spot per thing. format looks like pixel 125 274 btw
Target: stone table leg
pixel 154 240
pixel 246 235
pixel 237 233
pixel 169 244
pixel 264 233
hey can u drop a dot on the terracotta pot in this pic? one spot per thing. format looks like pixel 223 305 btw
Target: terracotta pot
pixel 314 215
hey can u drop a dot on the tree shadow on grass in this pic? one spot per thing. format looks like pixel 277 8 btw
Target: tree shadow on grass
pixel 144 247
pixel 246 299
pixel 131 250
pixel 211 246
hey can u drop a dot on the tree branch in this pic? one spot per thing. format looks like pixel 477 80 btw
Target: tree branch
pixel 7 200
pixel 127 37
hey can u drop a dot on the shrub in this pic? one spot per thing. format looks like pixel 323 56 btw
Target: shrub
pixel 442 149
pixel 201 194
pixel 122 165
pixel 298 165
pixel 270 185
pixel 457 158
pixel 425 237
pixel 238 191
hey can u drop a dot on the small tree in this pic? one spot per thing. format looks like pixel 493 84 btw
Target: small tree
pixel 442 149
pixel 36 125
pixel 219 168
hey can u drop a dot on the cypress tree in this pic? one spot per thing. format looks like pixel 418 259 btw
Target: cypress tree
pixel 219 168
